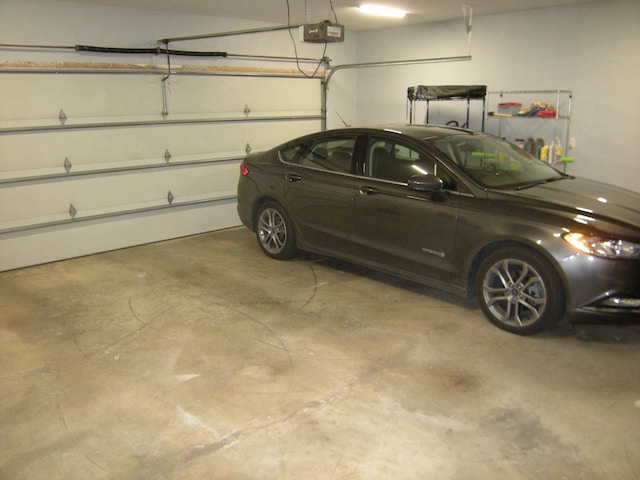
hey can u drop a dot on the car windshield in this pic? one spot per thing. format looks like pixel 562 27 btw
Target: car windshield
pixel 496 163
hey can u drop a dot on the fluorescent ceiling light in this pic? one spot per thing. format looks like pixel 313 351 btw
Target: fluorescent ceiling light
pixel 382 11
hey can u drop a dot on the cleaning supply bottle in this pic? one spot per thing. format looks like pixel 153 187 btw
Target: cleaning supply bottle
pixel 528 145
pixel 544 153
pixel 537 146
pixel 557 151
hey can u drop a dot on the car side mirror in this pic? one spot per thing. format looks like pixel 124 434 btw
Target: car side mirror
pixel 425 183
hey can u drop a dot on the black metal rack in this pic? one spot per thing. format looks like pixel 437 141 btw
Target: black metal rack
pixel 428 93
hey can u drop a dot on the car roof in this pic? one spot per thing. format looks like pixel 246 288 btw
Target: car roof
pixel 416 131
pixel 422 132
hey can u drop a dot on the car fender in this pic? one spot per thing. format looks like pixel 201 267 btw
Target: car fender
pixel 509 232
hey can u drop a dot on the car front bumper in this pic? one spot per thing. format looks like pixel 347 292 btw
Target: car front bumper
pixel 602 289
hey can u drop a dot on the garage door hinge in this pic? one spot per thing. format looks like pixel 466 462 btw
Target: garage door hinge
pixel 62 117
pixel 170 197
pixel 247 149
pixel 72 211
pixel 167 155
pixel 67 164
pixel 247 110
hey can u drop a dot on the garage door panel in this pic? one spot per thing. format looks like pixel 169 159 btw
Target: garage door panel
pixel 275 133
pixel 37 246
pixel 102 194
pixel 79 95
pixel 112 98
pixel 45 153
pixel 263 96
pixel 231 138
pixel 48 150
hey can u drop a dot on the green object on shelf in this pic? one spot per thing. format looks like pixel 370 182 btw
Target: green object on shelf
pixel 567 159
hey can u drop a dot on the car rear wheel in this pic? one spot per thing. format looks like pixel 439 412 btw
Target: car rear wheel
pixel 275 232
pixel 519 291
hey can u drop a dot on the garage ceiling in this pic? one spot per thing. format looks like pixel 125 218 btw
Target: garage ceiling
pixel 275 11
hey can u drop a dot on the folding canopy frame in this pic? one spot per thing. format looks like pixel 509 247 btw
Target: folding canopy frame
pixel 429 93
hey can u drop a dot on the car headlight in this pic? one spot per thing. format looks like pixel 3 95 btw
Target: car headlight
pixel 603 247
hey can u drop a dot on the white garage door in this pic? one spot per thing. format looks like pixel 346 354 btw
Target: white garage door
pixel 99 160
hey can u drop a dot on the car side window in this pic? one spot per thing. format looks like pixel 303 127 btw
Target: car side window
pixel 290 154
pixel 333 154
pixel 387 160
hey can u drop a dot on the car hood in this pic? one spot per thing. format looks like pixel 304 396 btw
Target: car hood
pixel 598 205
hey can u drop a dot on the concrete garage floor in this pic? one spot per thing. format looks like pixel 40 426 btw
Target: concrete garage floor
pixel 200 358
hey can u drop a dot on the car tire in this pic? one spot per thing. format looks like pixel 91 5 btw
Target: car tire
pixel 519 291
pixel 274 231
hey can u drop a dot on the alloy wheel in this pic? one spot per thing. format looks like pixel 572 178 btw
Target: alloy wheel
pixel 514 293
pixel 272 231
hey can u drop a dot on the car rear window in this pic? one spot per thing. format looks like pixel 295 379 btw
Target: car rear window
pixel 289 154
pixel 333 154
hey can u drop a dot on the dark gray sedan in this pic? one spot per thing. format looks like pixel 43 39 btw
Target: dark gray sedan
pixel 455 209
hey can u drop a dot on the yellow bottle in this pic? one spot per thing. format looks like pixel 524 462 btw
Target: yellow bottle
pixel 544 153
pixel 557 151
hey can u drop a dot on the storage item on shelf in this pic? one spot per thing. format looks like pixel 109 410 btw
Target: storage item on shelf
pixel 533 146
pixel 547 115
pixel 509 108
pixel 538 109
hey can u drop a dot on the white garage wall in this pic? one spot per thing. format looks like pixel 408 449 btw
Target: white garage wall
pixel 116 171
pixel 591 49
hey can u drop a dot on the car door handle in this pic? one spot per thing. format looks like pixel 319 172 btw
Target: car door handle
pixel 290 177
pixel 368 190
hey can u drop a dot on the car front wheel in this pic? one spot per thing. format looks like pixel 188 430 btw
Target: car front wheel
pixel 518 291
pixel 275 232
